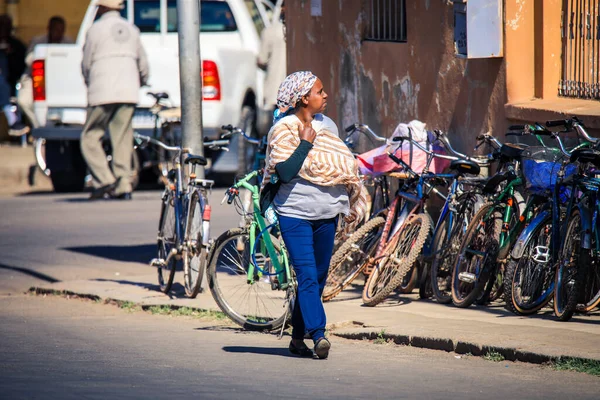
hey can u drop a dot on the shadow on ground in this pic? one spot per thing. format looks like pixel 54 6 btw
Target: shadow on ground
pixel 30 272
pixel 142 253
pixel 272 351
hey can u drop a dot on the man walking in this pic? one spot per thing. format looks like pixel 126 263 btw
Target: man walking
pixel 114 67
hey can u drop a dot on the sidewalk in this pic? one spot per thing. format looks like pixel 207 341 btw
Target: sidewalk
pixel 404 319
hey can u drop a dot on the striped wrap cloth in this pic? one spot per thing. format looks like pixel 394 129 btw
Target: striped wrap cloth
pixel 329 162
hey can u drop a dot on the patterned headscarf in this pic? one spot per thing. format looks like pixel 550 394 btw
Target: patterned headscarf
pixel 293 87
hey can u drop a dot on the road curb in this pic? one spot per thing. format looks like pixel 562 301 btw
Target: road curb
pixel 459 347
pixel 420 341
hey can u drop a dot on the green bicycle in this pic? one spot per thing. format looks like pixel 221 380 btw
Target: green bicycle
pixel 249 274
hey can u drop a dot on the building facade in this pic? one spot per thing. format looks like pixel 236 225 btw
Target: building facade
pixel 30 17
pixel 389 61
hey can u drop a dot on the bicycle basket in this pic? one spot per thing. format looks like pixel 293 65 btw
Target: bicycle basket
pixel 541 166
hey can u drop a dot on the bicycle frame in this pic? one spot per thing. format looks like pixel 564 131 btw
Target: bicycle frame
pixel 259 224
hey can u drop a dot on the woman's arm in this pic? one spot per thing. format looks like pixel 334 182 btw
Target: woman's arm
pixel 288 169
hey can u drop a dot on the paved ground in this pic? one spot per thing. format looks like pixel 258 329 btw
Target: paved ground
pixel 67 243
pixel 55 348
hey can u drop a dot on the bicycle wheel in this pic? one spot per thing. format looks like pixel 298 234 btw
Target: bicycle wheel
pixel 251 302
pixel 571 270
pixel 352 257
pixel 476 259
pixel 194 262
pixel 592 288
pixel 400 255
pixel 591 294
pixel 167 241
pixel 410 280
pixel 445 247
pixel 529 280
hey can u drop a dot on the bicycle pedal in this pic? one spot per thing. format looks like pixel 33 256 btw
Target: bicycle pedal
pixel 467 277
pixel 158 262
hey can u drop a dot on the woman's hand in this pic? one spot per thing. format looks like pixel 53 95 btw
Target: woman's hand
pixel 307 133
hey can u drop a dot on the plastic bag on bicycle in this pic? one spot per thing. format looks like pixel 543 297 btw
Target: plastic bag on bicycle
pixel 376 162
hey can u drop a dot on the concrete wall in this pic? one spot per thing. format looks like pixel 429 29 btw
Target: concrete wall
pixel 31 16
pixel 383 83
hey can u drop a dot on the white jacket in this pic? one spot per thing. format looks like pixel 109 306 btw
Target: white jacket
pixel 114 62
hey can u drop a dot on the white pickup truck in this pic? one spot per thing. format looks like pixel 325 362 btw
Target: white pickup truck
pixel 232 83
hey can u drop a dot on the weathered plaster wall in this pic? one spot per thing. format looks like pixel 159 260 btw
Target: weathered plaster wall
pixel 382 84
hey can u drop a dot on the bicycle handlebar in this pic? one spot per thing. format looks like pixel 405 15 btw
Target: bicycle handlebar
pixel 148 139
pixel 232 130
pixel 366 130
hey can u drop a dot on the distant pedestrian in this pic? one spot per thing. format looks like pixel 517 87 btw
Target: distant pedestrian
pixel 14 50
pixel 54 35
pixel 272 59
pixel 114 67
pixel 319 180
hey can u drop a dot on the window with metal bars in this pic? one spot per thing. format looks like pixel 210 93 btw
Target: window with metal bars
pixel 580 49
pixel 387 20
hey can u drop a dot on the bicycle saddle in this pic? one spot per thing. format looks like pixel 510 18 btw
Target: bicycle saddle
pixel 159 95
pixel 586 155
pixel 194 159
pixel 512 151
pixel 463 166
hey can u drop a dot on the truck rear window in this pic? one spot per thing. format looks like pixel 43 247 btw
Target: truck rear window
pixel 215 16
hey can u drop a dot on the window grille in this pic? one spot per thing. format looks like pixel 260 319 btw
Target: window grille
pixel 580 29
pixel 387 20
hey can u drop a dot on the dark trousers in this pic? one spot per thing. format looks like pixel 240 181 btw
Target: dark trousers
pixel 309 244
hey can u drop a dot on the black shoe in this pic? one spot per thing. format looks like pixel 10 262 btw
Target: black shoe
pixel 104 191
pixel 322 348
pixel 122 196
pixel 302 350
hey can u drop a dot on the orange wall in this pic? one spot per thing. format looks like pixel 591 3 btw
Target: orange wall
pixel 31 16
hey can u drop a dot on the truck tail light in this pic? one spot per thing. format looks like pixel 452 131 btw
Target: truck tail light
pixel 38 75
pixel 211 85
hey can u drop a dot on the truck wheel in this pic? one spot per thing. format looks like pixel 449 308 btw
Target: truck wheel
pixel 246 150
pixel 66 164
pixel 67 181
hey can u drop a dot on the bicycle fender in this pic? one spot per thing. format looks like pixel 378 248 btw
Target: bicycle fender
pixel 525 236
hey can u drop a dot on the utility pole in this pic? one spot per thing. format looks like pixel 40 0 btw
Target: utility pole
pixel 188 25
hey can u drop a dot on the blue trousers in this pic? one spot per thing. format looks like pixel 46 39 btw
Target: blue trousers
pixel 309 244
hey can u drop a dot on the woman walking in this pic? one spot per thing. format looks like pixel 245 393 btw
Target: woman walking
pixel 318 180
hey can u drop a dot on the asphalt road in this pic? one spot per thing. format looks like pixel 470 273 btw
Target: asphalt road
pixel 65 237
pixel 54 348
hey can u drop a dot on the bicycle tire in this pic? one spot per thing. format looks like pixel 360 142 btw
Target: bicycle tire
pixel 224 252
pixel 194 262
pixel 570 275
pixel 592 288
pixel 409 282
pixel 494 288
pixel 529 285
pixel 485 245
pixel 400 255
pixel 591 294
pixel 343 268
pixel 444 255
pixel 167 240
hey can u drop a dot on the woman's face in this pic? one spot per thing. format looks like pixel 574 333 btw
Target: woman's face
pixel 316 98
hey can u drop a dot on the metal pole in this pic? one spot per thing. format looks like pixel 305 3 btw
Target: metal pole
pixel 188 24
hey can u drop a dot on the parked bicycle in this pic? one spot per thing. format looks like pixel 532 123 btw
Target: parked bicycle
pixel 252 284
pixel 552 256
pixel 184 225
